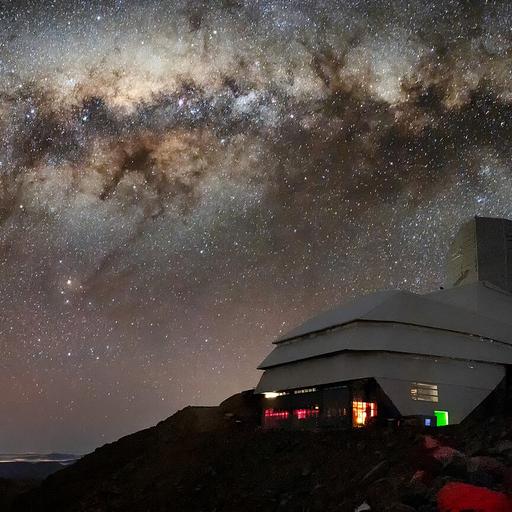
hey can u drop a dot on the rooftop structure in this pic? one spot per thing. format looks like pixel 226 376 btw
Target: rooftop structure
pixel 482 251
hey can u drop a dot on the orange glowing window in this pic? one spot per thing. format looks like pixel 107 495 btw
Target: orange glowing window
pixel 362 412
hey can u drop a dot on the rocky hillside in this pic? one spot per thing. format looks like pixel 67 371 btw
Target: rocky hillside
pixel 217 459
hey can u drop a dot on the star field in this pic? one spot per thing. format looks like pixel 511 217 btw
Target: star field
pixel 183 181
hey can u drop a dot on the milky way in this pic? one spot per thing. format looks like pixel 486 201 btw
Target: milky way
pixel 181 182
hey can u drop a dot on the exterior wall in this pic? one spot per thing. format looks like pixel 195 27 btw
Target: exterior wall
pixel 494 244
pixel 462 385
pixel 330 406
pixel 458 401
pixel 462 264
pixel 481 251
pixel 327 407
pixel 392 337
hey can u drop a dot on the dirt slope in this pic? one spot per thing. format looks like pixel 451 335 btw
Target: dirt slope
pixel 217 459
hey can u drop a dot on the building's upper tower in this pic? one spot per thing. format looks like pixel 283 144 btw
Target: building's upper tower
pixel 481 251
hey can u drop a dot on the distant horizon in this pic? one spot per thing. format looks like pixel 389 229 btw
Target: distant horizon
pixel 6 458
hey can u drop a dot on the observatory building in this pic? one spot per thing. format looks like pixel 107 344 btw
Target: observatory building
pixel 395 354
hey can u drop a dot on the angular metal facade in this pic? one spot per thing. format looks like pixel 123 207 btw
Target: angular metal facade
pixel 439 354
pixel 462 385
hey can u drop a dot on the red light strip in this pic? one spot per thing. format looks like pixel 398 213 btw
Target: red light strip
pixel 281 415
pixel 304 414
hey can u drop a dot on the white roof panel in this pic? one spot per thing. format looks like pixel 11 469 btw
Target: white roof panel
pixel 389 337
pixel 481 297
pixel 410 308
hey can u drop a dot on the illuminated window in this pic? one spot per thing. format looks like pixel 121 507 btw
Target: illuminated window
pixel 442 418
pixel 306 414
pixel 362 412
pixel 305 390
pixel 424 392
pixel 276 414
pixel 274 394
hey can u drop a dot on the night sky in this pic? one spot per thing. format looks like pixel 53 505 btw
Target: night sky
pixel 182 182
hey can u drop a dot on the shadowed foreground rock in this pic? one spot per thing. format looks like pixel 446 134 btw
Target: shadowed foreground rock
pixel 218 459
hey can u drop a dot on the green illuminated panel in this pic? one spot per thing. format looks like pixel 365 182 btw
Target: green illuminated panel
pixel 442 418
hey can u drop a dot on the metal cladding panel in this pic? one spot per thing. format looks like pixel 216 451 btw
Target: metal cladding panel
pixel 481 251
pixel 340 315
pixel 422 311
pixel 494 245
pixel 458 400
pixel 409 308
pixel 483 298
pixel 375 336
pixel 359 365
pixel 462 264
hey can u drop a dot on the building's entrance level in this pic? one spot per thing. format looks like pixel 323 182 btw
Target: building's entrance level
pixel 307 408
pixel 333 406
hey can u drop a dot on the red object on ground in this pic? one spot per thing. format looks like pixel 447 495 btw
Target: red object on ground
pixel 430 442
pixel 457 497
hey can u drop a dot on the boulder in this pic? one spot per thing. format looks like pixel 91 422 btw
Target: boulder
pixel 503 446
pixel 375 471
pixel 446 454
pixel 485 463
pixel 400 507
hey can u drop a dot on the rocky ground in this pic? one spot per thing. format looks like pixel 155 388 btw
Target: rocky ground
pixel 11 489
pixel 218 459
